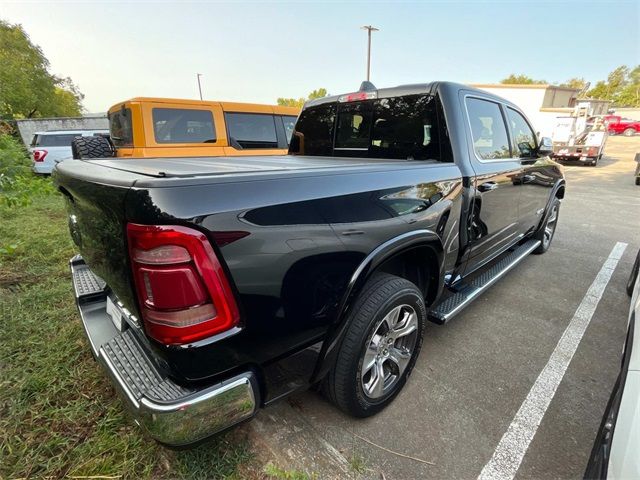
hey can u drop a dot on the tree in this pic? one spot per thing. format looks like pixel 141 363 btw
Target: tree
pixel 299 102
pixel 629 95
pixel 576 82
pixel 27 88
pixel 514 79
pixel 622 87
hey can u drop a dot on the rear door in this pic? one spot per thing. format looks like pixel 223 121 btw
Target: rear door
pixel 496 189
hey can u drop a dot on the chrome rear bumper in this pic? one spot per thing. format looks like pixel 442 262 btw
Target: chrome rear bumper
pixel 171 414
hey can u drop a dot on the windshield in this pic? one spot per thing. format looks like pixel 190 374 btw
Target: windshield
pixel 391 128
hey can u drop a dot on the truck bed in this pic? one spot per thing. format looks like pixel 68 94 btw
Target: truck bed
pixel 143 171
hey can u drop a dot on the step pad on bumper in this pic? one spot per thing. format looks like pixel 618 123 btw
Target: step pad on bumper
pixel 140 375
pixel 454 304
pixel 87 284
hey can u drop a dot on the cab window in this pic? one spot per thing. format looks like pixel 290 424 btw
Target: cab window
pixel 490 140
pixel 120 128
pixel 251 130
pixel 289 123
pixel 175 125
pixel 524 140
pixel 313 133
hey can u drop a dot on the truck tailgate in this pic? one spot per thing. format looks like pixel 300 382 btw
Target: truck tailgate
pixel 95 201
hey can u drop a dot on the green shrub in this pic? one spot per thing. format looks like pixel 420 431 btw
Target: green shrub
pixel 18 185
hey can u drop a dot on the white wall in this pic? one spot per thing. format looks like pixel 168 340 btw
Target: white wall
pixel 530 101
pixel 28 127
pixel 633 113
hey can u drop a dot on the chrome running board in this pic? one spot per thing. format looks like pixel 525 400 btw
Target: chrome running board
pixel 468 292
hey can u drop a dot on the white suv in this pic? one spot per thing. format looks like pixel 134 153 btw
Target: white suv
pixel 49 148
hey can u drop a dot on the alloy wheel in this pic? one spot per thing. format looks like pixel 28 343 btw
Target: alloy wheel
pixel 389 351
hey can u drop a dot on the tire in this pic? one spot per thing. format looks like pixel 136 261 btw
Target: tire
pixel 612 133
pixel 92 147
pixel 637 180
pixel 633 278
pixel 548 230
pixel 385 300
pixel 629 132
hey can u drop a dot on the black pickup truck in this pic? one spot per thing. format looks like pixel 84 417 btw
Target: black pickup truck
pixel 210 287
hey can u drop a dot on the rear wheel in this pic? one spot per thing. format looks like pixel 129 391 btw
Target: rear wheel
pixel 92 147
pixel 629 132
pixel 548 230
pixel 383 339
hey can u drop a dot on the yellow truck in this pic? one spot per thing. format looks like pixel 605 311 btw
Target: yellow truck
pixel 164 127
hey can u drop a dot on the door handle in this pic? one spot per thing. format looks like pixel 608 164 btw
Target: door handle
pixel 352 232
pixel 487 187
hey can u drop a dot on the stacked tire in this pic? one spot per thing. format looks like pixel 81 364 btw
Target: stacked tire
pixel 96 146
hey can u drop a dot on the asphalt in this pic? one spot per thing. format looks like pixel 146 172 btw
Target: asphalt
pixel 474 373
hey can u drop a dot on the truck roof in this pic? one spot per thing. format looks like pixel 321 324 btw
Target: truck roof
pixel 228 106
pixel 409 89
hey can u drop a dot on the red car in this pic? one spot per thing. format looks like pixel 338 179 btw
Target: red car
pixel 617 125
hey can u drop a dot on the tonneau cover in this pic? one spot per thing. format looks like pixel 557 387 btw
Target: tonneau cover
pixel 195 166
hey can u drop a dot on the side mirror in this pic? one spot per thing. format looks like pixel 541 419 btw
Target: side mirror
pixel 546 147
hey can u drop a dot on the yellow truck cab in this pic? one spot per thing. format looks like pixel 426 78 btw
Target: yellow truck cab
pixel 164 127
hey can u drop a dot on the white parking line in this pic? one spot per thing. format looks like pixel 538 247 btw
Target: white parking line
pixel 514 443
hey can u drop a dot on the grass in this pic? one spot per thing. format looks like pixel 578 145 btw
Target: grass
pixel 276 473
pixel 59 417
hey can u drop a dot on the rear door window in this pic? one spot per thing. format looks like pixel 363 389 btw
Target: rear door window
pixel 490 140
pixel 177 125
pixel 120 128
pixel 56 140
pixel 251 130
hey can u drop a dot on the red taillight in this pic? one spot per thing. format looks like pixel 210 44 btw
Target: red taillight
pixel 183 292
pixel 38 155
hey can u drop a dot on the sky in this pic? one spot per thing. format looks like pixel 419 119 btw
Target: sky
pixel 259 51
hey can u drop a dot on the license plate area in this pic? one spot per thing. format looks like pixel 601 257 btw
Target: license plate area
pixel 116 314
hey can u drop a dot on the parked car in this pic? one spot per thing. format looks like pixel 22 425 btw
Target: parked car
pixel 617 125
pixel 164 127
pixel 212 287
pixel 47 148
pixel 616 447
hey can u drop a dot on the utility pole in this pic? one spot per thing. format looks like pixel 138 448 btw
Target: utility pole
pixel 199 86
pixel 369 29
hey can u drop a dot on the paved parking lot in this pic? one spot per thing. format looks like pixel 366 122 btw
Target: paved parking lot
pixel 474 373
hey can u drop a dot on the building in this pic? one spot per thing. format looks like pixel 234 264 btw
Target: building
pixel 543 103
